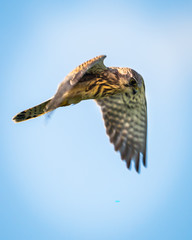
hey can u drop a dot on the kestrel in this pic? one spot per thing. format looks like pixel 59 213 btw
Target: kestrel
pixel 120 92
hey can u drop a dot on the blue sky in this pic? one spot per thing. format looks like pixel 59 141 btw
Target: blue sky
pixel 61 178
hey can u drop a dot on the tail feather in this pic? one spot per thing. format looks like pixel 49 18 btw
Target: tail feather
pixel 31 112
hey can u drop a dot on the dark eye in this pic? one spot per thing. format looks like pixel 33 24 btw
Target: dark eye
pixel 132 82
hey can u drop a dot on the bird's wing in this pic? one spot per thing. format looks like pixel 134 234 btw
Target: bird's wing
pixel 92 66
pixel 126 126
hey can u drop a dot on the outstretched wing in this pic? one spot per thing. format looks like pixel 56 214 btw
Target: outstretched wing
pixel 92 66
pixel 126 126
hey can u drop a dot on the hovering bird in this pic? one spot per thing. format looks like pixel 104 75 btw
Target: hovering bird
pixel 120 92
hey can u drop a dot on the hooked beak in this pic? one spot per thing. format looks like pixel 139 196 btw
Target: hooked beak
pixel 135 90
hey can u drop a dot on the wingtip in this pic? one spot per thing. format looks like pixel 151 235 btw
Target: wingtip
pixel 137 168
pixel 103 56
pixel 144 159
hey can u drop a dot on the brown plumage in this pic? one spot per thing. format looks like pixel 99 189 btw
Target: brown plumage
pixel 120 92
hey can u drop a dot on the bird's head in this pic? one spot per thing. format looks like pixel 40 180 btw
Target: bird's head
pixel 132 82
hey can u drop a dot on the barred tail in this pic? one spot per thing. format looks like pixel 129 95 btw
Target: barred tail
pixel 31 112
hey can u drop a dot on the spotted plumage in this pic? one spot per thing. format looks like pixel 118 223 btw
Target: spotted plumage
pixel 120 92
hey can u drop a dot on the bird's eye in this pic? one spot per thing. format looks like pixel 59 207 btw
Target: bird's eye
pixel 133 82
